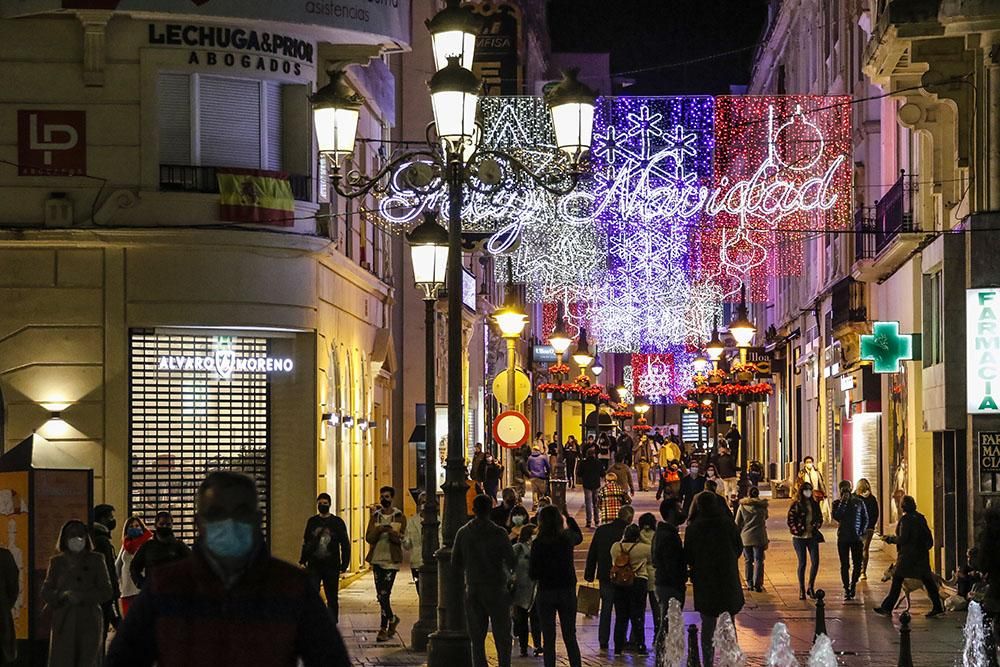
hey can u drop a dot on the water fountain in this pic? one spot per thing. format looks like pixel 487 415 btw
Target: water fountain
pixel 727 649
pixel 779 653
pixel 974 654
pixel 821 654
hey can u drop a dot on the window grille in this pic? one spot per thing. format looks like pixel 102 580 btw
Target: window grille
pixel 185 424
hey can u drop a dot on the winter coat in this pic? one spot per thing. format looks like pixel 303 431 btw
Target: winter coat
pixel 668 452
pixel 588 471
pixel 638 557
pixel 751 519
pixel 624 474
pixel 483 554
pixel 725 465
pixel 797 514
pixel 690 487
pixel 77 624
pixel 538 466
pixel 852 516
pixel 914 541
pixel 523 595
pixel 668 557
pixel 102 545
pixel 153 554
pixel 10 580
pixel 268 617
pixel 551 562
pixel 413 541
pixel 374 534
pixel 646 537
pixel 599 554
pixel 123 564
pixel 712 548
pixel 871 506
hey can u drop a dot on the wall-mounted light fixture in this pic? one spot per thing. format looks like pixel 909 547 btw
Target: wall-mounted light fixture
pixel 331 418
pixel 372 424
pixel 363 424
pixel 348 421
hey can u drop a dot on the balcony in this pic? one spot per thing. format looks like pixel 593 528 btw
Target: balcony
pixel 884 242
pixel 191 178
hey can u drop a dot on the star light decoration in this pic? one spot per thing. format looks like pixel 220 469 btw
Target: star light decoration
pixel 662 377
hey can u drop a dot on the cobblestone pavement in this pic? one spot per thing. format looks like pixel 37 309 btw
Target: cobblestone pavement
pixel 861 637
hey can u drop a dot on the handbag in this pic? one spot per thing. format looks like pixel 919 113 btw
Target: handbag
pixel 588 601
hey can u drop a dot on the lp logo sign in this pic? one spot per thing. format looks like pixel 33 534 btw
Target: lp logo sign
pixel 51 143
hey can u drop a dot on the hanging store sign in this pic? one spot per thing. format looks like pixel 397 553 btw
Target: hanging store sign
pixel 982 350
pixel 51 142
pixel 226 46
pixel 989 461
pixel 496 59
pixel 885 347
pixel 225 363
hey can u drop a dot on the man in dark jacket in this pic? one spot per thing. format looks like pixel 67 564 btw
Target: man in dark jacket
pixel 725 466
pixel 501 512
pixel 692 484
pixel 100 530
pixel 483 554
pixel 850 513
pixel 913 542
pixel 326 552
pixel 476 471
pixel 668 560
pixel 231 603
pixel 599 565
pixel 589 472
pixel 162 549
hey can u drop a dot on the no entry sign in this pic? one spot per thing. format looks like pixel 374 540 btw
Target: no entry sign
pixel 511 429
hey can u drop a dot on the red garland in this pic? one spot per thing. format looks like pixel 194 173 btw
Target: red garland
pixel 561 369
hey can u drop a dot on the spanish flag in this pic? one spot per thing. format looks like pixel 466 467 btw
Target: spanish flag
pixel 254 195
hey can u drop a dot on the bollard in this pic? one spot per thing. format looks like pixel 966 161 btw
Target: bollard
pixel 820 614
pixel 694 650
pixel 905 653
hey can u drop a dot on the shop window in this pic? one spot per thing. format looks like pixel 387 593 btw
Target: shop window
pixel 215 121
pixel 184 424
pixel 933 328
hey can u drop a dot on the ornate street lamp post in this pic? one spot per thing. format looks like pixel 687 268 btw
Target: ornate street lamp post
pixel 560 342
pixel 452 162
pixel 743 330
pixel 429 253
pixel 583 359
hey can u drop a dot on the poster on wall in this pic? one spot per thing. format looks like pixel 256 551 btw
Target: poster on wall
pixel 898 443
pixel 14 514
pixel 989 461
pixel 441 428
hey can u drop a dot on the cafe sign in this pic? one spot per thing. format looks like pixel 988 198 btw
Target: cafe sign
pixel 982 349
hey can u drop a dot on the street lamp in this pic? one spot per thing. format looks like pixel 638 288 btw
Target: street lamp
pixel 715 347
pixel 572 108
pixel 560 341
pixel 453 33
pixel 336 109
pixel 454 94
pixel 511 321
pixel 742 329
pixel 641 407
pixel 597 368
pixel 582 356
pixel 701 364
pixel 429 254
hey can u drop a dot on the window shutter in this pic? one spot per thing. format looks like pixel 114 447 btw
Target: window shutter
pixel 272 125
pixel 173 100
pixel 229 116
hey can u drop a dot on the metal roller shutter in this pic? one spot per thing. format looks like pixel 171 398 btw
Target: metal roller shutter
pixel 173 100
pixel 229 122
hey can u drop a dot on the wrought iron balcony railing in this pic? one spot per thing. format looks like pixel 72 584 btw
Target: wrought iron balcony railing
pixel 894 212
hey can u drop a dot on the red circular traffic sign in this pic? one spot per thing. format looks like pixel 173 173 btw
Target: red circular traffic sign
pixel 511 429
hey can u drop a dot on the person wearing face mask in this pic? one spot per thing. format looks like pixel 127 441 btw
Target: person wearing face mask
pixel 162 549
pixel 804 521
pixel 134 535
pixel 691 485
pixel 231 603
pixel 872 509
pixel 76 585
pixel 326 552
pixel 100 531
pixel 670 480
pixel 517 521
pixel 384 535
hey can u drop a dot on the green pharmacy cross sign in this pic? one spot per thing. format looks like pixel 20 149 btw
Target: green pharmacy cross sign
pixel 885 347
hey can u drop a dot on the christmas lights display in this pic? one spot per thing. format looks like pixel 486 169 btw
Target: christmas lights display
pixel 663 376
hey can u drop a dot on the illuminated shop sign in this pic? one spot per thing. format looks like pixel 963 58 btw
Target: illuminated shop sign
pixel 225 363
pixel 885 347
pixel 982 349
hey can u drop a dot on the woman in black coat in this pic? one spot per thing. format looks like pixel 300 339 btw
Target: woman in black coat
pixel 913 544
pixel 805 518
pixel 872 508
pixel 551 566
pixel 712 548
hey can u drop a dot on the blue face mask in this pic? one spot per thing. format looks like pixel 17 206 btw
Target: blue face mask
pixel 134 532
pixel 229 538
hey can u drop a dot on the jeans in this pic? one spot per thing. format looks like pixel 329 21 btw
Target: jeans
pixel 630 608
pixel 802 545
pixel 486 607
pixel 753 558
pixel 590 504
pixel 850 553
pixel 384 579
pixel 327 575
pixel 889 603
pixel 560 601
pixel 523 619
pixel 867 543
pixel 607 606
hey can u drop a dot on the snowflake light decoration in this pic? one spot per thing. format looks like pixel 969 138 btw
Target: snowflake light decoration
pixel 661 377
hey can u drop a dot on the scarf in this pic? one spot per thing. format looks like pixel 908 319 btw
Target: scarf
pixel 132 544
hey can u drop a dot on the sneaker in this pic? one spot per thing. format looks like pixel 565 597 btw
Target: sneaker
pixel 393 624
pixel 382 636
pixel 864 576
pixel 537 652
pixel 934 613
pixel 881 612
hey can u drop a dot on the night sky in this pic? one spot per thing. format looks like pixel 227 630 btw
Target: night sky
pixel 646 34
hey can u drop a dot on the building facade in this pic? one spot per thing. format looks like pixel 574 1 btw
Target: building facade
pixel 157 329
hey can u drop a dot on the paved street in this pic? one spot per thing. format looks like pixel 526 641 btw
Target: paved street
pixel 862 637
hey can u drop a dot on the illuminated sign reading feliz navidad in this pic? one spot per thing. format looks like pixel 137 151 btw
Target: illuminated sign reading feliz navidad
pixel 982 349
pixel 687 199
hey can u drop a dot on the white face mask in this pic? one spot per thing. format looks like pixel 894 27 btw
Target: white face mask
pixel 807 494
pixel 76 544
pixel 517 519
pixel 809 466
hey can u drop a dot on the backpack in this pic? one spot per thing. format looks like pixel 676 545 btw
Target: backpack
pixel 622 573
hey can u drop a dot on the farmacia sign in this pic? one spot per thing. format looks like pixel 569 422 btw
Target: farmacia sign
pixel 982 349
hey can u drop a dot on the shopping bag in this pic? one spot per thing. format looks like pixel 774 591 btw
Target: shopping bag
pixel 588 601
